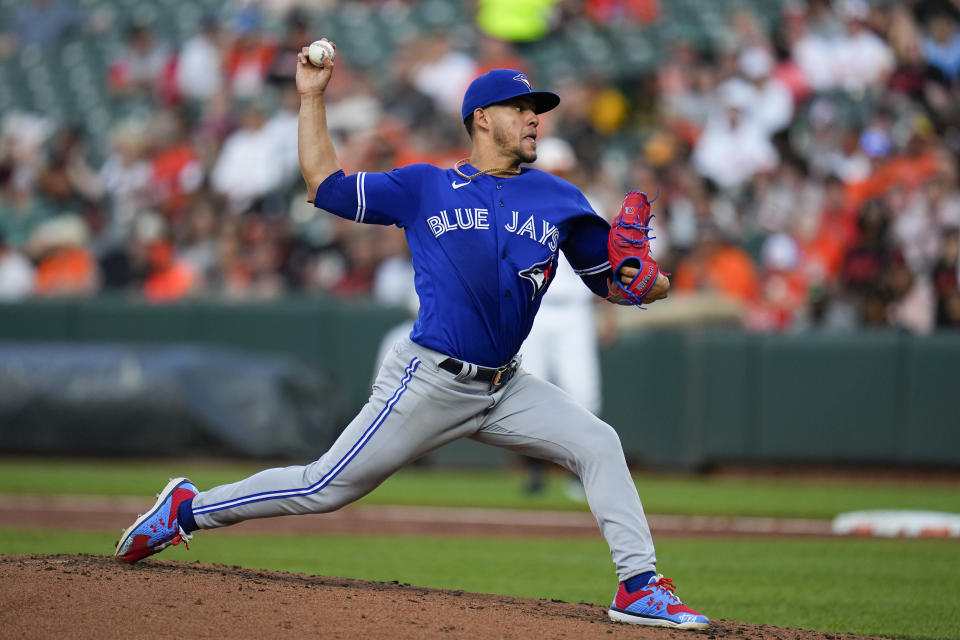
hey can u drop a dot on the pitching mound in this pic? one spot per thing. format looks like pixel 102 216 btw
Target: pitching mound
pixel 93 597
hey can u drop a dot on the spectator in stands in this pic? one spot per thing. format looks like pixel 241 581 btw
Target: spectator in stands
pixel 913 77
pixel 126 172
pixel 943 198
pixel 327 261
pixel 400 95
pixel 199 74
pixel 610 109
pixel 826 235
pixel 946 278
pixel 214 122
pixel 443 72
pixel 811 40
pixel 16 273
pixel 141 67
pixel 284 64
pixel 873 307
pixel 68 181
pixel 42 24
pixel 393 280
pixel 65 267
pixel 358 108
pixel 717 266
pixel 866 262
pixel 949 311
pixel 861 60
pixel 786 197
pixel 914 229
pixel 771 108
pixel 168 278
pixel 615 11
pixel 686 91
pixel 360 249
pixel 266 282
pixel 912 299
pixel 515 20
pixel 782 286
pixel 175 168
pixel 22 146
pixel 124 262
pixel 493 53
pixel 261 259
pixel 573 117
pixel 198 243
pixel 249 58
pixel 733 147
pixel 247 168
pixel 21 211
pixel 941 46
pixel 230 277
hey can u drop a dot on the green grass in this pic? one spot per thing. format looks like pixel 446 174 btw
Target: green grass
pixel 728 496
pixel 895 588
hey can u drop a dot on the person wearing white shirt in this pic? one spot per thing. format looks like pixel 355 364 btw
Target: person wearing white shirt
pixel 16 273
pixel 732 147
pixel 248 167
pixel 199 66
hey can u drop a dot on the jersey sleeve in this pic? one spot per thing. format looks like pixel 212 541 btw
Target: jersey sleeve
pixel 373 198
pixel 586 249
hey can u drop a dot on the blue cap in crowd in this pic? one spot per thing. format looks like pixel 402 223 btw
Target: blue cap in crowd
pixel 498 85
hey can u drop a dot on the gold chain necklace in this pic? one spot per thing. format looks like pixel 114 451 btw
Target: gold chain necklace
pixel 456 167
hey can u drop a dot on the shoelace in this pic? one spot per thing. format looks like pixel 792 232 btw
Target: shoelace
pixel 182 536
pixel 666 585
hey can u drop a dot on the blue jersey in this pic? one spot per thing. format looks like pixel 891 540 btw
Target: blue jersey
pixel 484 251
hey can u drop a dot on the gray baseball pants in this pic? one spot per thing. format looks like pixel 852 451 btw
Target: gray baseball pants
pixel 416 407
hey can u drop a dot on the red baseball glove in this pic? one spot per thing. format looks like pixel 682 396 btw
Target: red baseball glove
pixel 629 244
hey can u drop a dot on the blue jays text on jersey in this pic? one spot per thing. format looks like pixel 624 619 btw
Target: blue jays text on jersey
pixel 484 250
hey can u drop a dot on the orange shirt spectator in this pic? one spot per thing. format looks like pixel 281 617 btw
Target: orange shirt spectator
pixel 642 11
pixel 824 249
pixel 248 60
pixel 718 267
pixel 66 271
pixel 908 171
pixel 169 279
pixel 176 172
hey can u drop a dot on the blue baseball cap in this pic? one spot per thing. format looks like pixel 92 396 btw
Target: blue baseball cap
pixel 498 85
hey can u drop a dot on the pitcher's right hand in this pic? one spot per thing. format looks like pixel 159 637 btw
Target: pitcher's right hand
pixel 312 80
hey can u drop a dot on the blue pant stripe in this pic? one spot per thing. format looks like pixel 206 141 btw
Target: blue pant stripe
pixel 337 468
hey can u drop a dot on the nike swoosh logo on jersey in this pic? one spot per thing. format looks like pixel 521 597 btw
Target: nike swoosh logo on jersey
pixel 457 185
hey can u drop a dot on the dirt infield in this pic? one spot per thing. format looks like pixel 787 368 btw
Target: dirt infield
pixel 94 597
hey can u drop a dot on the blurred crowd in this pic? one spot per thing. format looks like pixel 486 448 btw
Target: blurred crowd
pixel 806 169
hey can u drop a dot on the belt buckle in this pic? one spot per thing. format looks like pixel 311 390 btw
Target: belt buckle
pixel 506 371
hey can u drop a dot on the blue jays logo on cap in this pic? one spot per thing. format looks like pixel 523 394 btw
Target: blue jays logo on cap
pixel 499 85
pixel 522 78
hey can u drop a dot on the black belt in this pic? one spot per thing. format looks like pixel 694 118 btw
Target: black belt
pixel 496 377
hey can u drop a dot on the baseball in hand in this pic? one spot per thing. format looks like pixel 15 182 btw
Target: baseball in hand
pixel 319 51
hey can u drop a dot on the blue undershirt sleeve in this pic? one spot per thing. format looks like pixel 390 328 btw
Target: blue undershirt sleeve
pixel 586 250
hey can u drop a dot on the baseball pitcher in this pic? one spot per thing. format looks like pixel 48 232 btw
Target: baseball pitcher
pixel 485 237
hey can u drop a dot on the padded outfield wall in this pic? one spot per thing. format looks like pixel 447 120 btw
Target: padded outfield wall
pixel 677 398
